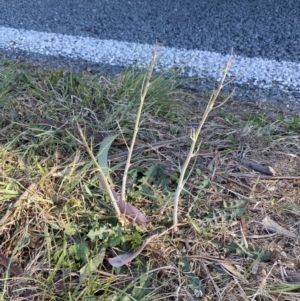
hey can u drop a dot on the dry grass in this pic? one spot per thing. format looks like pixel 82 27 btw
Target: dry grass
pixel 56 230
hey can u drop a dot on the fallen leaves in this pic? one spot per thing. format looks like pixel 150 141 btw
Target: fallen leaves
pixel 131 212
pixel 13 269
pixel 274 227
pixel 123 259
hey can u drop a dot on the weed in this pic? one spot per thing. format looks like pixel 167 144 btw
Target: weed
pixel 59 231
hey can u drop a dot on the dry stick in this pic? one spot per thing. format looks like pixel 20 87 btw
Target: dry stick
pixel 263 283
pixel 266 170
pixel 212 280
pixel 105 182
pixel 137 123
pixel 194 137
pixel 263 177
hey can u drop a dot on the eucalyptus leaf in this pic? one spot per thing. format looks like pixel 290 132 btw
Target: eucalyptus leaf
pixel 103 153
pixel 127 209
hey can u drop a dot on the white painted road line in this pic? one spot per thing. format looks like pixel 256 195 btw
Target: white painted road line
pixel 260 72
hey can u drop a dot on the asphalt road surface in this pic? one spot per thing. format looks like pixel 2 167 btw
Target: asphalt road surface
pixel 196 36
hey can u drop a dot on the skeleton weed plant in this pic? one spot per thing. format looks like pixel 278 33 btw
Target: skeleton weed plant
pixel 121 207
pixel 195 144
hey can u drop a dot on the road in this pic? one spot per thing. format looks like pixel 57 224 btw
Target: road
pixel 196 36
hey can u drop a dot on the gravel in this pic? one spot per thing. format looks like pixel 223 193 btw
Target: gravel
pixel 253 28
pixel 254 79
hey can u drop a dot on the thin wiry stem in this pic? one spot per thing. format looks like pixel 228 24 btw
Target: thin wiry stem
pixel 144 91
pixel 194 138
pixel 105 182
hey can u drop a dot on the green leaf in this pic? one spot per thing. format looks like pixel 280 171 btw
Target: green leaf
pixel 69 230
pixel 93 263
pixel 79 251
pixel 114 240
pixel 251 252
pixel 194 282
pixel 136 239
pixel 57 254
pixel 156 175
pixel 231 210
pixel 90 298
pixel 103 153
pixel 142 287
pixel 100 233
pixel 111 236
pixel 198 229
pixel 87 190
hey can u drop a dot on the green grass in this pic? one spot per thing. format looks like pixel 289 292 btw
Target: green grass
pixel 56 221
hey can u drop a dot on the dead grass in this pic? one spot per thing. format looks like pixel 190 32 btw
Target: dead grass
pixel 56 230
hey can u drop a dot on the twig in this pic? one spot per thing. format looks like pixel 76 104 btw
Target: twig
pixel 209 258
pixel 194 137
pixel 263 282
pixel 266 170
pixel 137 123
pixel 212 280
pixel 232 191
pixel 251 189
pixel 255 175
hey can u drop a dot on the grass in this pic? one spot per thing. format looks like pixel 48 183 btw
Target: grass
pixel 57 226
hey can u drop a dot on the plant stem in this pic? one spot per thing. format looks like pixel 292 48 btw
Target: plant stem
pixel 194 137
pixel 105 182
pixel 137 122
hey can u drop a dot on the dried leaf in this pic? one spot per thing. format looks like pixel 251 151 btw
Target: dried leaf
pixel 132 213
pixel 120 260
pixel 254 268
pixel 193 281
pixel 25 195
pixel 103 153
pixel 16 271
pixel 127 209
pixel 89 131
pixel 66 170
pixel 233 270
pixel 123 259
pixel 273 226
pixel 293 277
pixel 244 226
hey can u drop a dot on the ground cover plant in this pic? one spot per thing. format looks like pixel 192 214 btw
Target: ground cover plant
pixel 64 145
